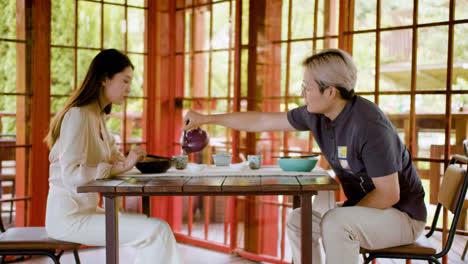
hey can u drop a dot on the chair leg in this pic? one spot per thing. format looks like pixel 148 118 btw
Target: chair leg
pixel 77 257
pixel 12 196
pixel 54 258
pixel 464 251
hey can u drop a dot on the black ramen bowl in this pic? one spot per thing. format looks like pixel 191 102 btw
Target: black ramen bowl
pixel 154 164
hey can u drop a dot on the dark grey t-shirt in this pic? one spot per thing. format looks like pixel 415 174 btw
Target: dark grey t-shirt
pixel 362 143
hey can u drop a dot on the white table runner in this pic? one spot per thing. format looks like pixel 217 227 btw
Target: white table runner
pixel 227 171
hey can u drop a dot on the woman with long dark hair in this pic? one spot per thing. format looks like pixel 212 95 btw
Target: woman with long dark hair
pixel 82 150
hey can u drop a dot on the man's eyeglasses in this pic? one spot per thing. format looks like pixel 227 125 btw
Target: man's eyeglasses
pixel 305 88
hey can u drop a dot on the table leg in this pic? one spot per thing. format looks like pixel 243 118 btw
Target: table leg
pixel 306 224
pixel 296 201
pixel 112 231
pixel 145 204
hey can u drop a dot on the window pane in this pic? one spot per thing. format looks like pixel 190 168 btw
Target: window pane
pixel 244 72
pixel 8 67
pixel 397 108
pixel 136 3
pixel 200 75
pixel 430 103
pixel 115 1
pixel 8 103
pixel 461 9
pixel 333 15
pixel 114 122
pixel 134 115
pixel 137 83
pixel 221 26
pixel 188 30
pixel 298 141
pixel 219 74
pixel 245 22
pixel 396 13
pixel 201 27
pixel 8 126
pixel 364 57
pixel 460 103
pixel 136 30
pixel 61 67
pixel 283 63
pixel 188 76
pixel 302 19
pixel 430 124
pixel 395 104
pixel 8 19
pixel 63 22
pixel 433 11
pixel 89 24
pixel 365 14
pixel 114 27
pixel 432 58
pixel 395 60
pixel 460 58
pixel 57 103
pixel 284 19
pixel 84 60
pixel 459 123
pixel 299 52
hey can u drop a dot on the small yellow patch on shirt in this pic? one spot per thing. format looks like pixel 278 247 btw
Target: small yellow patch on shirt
pixel 342 152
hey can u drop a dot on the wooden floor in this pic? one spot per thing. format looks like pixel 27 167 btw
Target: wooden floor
pixel 190 255
pixel 196 255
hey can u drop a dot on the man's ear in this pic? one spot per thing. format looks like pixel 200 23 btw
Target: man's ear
pixel 331 91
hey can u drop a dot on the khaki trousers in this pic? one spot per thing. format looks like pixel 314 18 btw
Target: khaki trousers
pixel 344 230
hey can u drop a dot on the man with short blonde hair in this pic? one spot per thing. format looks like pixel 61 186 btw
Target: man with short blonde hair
pixel 385 199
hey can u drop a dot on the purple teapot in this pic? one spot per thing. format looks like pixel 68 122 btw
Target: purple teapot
pixel 194 140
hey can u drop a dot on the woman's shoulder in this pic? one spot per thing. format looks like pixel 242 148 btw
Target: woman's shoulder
pixel 77 114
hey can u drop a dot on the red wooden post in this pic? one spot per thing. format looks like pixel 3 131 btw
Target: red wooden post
pixel 161 95
pixel 23 71
pixel 40 81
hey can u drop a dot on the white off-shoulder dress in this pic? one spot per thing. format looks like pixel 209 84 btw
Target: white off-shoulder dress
pixel 80 155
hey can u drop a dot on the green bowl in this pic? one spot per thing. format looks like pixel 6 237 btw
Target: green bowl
pixel 292 164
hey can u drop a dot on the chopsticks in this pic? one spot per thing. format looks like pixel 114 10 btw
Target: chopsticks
pixel 296 157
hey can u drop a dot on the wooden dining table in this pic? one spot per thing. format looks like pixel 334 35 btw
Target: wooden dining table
pixel 224 181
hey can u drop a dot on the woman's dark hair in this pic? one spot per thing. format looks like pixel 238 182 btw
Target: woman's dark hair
pixel 105 65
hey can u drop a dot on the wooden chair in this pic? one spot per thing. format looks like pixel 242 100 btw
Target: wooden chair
pixel 451 196
pixel 32 241
pixel 465 204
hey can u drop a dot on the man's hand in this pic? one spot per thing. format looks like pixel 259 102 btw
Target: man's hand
pixel 193 120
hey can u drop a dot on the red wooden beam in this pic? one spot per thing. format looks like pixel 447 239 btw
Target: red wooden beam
pixel 161 98
pixel 40 81
pixel 23 71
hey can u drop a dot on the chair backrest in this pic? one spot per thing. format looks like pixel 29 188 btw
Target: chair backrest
pixel 465 146
pixel 451 187
pixel 452 194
